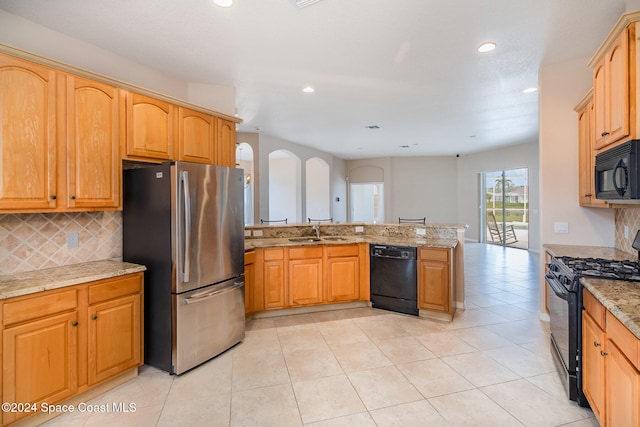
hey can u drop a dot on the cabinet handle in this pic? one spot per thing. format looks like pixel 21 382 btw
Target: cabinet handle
pixel 602 353
pixel 74 323
pixel 596 344
pixel 94 317
pixel 588 195
pixel 605 133
pixel 52 197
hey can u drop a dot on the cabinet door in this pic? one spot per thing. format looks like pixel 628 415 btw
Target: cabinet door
pixel 305 281
pixel 150 127
pixel 40 362
pixel 593 383
pixel 343 279
pixel 226 143
pixel 622 395
pixel 600 105
pixel 28 138
pixel 196 136
pixel 114 337
pixel 249 281
pixel 433 285
pixel 617 63
pixel 93 145
pixel 274 283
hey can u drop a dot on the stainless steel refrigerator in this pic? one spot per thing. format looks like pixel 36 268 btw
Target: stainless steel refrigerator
pixel 184 222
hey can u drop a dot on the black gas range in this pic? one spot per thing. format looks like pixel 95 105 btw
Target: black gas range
pixel 565 311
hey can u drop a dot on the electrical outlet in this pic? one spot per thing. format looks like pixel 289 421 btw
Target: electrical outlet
pixel 421 231
pixel 72 240
pixel 247 233
pixel 626 232
pixel 359 229
pixel 257 233
pixel 561 227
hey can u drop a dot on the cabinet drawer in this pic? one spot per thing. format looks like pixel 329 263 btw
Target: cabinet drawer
pixel 249 257
pixel 272 254
pixel 434 254
pixel 624 339
pixel 40 306
pixel 114 288
pixel 595 309
pixel 342 250
pixel 305 252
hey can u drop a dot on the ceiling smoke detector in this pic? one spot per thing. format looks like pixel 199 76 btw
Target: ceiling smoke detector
pixel 305 3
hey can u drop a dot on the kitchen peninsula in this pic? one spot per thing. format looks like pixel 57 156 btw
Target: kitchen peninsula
pixel 301 266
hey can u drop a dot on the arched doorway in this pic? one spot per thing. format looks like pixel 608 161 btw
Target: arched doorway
pixel 317 189
pixel 284 186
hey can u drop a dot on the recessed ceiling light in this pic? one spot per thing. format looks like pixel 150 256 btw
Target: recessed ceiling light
pixel 486 47
pixel 530 90
pixel 308 89
pixel 224 3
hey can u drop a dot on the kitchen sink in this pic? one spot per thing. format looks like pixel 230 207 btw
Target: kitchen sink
pixel 304 239
pixel 334 238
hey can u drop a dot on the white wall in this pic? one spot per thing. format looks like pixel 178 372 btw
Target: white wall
pixel 413 186
pixel 19 33
pixel 268 144
pixel 318 189
pixel 512 157
pixel 561 87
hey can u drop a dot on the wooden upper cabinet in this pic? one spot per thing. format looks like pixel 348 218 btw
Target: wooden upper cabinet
pixel 611 80
pixel 586 155
pixel 28 140
pixel 93 150
pixel 226 143
pixel 151 128
pixel 197 133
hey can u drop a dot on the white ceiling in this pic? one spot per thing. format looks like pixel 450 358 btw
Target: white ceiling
pixel 408 66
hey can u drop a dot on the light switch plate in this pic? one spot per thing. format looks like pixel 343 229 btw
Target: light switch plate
pixel 421 231
pixel 257 233
pixel 247 233
pixel 561 227
pixel 359 229
pixel 72 240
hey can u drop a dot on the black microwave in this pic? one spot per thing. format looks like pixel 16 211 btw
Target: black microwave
pixel 616 172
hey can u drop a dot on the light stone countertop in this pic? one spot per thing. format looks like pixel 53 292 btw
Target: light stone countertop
pixel 326 240
pixel 29 282
pixel 621 298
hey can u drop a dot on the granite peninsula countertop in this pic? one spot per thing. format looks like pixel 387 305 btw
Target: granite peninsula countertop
pixel 29 282
pixel 342 240
pixel 621 298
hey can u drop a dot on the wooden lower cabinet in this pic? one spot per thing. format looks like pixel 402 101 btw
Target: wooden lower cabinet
pixel 273 278
pixel 305 276
pixel 309 275
pixel 611 363
pixel 593 386
pixel 40 362
pixel 249 281
pixel 56 344
pixel 342 273
pixel 435 282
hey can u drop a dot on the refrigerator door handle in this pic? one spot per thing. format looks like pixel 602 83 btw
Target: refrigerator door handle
pixel 186 265
pixel 206 295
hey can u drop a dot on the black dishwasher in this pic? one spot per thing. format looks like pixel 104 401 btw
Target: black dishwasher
pixel 394 284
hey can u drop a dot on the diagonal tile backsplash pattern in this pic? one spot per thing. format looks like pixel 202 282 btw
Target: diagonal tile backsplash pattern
pixel 631 218
pixel 35 241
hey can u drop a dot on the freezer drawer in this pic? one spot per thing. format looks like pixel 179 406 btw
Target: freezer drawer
pixel 208 321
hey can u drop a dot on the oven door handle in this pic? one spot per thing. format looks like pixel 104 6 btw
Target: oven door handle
pixel 556 287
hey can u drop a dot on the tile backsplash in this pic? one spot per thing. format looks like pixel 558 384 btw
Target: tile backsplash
pixel 35 241
pixel 631 218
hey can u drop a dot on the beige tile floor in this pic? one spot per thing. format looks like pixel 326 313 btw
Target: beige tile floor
pixel 364 367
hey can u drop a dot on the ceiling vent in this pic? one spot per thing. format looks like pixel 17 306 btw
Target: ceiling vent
pixel 305 3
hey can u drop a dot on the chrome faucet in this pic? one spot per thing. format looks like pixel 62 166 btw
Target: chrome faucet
pixel 317 230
